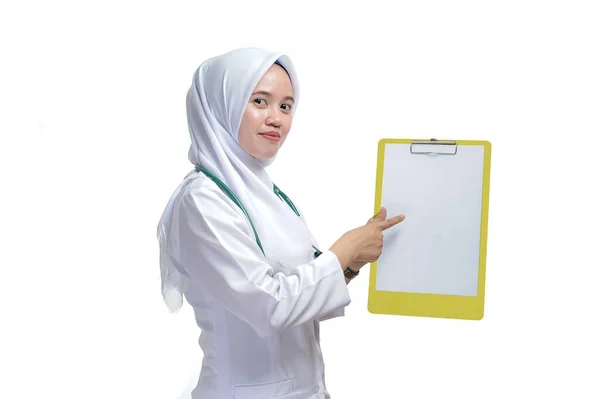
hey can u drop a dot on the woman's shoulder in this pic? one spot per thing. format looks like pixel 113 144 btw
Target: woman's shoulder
pixel 205 195
pixel 202 184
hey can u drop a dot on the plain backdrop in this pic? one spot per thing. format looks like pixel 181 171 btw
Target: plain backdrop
pixel 94 140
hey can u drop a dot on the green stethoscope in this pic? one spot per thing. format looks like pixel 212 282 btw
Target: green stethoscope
pixel 235 199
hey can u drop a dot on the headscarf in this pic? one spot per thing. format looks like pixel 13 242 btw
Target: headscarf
pixel 216 101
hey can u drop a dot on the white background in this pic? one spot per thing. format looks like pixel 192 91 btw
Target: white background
pixel 94 140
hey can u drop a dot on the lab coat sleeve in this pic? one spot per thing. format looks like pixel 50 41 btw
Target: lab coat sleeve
pixel 339 312
pixel 220 255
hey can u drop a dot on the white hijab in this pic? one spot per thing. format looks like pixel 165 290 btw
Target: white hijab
pixel 216 100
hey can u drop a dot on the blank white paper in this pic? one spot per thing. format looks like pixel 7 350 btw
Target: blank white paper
pixel 435 250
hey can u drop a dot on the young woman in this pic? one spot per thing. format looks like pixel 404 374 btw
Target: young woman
pixel 239 249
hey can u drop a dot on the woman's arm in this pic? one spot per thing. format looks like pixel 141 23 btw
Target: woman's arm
pixel 220 255
pixel 355 265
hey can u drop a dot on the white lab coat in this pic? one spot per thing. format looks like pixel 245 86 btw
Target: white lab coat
pixel 259 322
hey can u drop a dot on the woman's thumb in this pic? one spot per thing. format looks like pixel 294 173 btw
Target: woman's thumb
pixel 379 216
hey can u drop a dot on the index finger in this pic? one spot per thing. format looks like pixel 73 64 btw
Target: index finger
pixel 386 224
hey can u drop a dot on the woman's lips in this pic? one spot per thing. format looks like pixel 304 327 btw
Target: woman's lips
pixel 271 136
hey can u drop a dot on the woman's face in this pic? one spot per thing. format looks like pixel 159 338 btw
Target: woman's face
pixel 268 115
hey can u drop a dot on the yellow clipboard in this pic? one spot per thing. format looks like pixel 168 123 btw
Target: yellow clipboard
pixel 433 263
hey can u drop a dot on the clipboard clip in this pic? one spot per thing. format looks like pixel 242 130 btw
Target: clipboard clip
pixel 433 147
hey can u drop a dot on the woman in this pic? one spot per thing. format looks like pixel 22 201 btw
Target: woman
pixel 240 250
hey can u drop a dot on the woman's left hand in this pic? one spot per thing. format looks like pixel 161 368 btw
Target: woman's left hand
pixel 357 265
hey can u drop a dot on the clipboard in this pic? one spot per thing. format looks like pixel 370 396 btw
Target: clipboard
pixel 433 263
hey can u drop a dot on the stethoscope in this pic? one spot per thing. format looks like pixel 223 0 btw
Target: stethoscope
pixel 235 199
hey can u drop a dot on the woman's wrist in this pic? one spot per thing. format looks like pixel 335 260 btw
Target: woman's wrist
pixel 356 265
pixel 344 257
pixel 349 273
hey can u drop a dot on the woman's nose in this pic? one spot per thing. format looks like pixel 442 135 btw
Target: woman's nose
pixel 273 117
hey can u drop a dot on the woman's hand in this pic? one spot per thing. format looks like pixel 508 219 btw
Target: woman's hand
pixel 364 244
pixel 358 264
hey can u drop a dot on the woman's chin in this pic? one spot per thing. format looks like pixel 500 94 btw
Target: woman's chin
pixel 267 153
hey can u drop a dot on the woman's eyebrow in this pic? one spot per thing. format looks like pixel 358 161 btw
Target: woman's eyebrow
pixel 266 93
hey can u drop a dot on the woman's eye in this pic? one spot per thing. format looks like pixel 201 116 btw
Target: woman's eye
pixel 286 107
pixel 260 101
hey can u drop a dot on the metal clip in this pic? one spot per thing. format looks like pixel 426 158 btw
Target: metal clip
pixel 441 147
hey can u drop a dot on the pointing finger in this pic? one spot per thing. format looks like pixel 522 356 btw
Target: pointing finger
pixel 386 224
